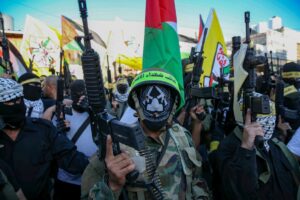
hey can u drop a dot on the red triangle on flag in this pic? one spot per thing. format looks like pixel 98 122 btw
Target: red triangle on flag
pixel 201 28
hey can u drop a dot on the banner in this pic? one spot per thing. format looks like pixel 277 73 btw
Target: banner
pixel 70 25
pixel 41 44
pixel 215 53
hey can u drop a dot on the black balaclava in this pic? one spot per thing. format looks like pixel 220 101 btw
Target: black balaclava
pixel 156 103
pixel 78 90
pixel 12 112
pixel 292 101
pixel 32 92
pixel 13 116
pixel 31 86
pixel 291 74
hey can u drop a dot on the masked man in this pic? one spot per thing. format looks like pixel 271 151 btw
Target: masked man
pixel 247 171
pixel 291 74
pixel 120 96
pixel 67 186
pixel 32 95
pixel 31 145
pixel 172 165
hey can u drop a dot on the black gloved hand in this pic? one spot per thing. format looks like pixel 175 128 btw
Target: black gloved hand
pixel 62 126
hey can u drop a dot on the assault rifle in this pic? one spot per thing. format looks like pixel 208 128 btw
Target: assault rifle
pixel 65 74
pixel 195 92
pixel 271 63
pixel 267 82
pixel 5 61
pixel 102 123
pixel 120 67
pixel 257 105
pixel 60 107
pixel 222 101
pixel 67 78
pixel 109 80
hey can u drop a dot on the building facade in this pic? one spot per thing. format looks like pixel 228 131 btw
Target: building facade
pixel 272 36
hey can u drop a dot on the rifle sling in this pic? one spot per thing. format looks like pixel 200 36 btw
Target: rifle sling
pixel 163 151
pixel 80 130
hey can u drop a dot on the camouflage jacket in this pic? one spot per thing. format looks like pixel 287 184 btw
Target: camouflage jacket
pixel 179 170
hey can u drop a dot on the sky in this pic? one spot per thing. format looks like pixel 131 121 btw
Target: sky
pixel 230 12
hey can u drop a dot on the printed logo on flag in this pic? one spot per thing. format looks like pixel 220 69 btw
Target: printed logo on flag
pixel 44 51
pixel 221 62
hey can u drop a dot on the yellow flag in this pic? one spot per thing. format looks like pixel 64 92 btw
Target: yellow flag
pixel 41 44
pixel 215 52
pixel 132 62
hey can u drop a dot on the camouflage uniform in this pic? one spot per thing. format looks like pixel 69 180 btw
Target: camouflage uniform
pixel 179 170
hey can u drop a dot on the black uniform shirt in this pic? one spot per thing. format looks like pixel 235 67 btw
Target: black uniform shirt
pixel 240 170
pixel 32 154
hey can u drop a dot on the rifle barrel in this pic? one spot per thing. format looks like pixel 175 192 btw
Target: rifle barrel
pixel 247 21
pixel 83 13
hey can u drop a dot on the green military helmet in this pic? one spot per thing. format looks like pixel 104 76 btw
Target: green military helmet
pixel 154 76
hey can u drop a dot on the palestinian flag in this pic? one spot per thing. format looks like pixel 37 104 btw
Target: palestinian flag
pixel 70 29
pixel 68 35
pixel 201 28
pixel 161 43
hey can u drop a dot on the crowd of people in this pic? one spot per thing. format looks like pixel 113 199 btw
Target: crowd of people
pixel 189 152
